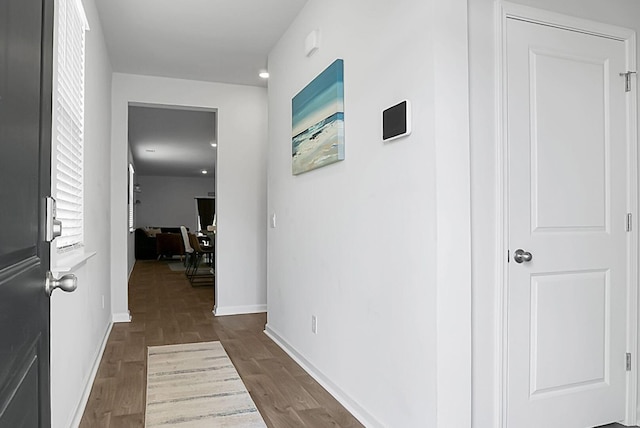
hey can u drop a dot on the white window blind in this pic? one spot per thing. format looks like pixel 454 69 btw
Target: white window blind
pixel 68 117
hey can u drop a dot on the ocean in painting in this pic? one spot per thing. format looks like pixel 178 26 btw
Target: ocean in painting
pixel 318 121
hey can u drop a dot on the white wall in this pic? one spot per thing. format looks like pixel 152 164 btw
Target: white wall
pixel 482 61
pixel 169 201
pixel 240 183
pixel 377 246
pixel 79 322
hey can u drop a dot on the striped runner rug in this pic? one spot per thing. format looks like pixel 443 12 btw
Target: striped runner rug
pixel 196 385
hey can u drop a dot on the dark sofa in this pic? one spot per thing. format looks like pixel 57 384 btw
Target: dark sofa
pixel 165 243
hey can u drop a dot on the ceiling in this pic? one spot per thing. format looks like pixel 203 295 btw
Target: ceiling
pixel 172 142
pixel 209 40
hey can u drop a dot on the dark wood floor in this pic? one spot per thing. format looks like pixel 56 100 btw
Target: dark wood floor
pixel 167 310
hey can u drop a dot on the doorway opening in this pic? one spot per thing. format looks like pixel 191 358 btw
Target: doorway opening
pixel 173 156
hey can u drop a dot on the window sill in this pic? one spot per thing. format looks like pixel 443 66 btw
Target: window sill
pixel 71 262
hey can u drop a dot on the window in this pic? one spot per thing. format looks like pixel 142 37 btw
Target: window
pixel 206 209
pixel 132 202
pixel 68 122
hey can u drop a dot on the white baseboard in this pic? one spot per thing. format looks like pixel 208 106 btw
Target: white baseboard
pixel 238 310
pixel 121 317
pixel 356 410
pixel 90 379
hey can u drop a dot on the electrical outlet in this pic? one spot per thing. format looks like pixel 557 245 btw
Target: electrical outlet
pixel 314 324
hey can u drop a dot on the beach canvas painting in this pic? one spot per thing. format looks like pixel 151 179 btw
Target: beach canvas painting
pixel 318 121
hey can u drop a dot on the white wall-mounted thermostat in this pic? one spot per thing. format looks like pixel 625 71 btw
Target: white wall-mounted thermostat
pixel 396 121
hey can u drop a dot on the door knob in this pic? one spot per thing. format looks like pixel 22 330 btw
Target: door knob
pixel 67 283
pixel 522 256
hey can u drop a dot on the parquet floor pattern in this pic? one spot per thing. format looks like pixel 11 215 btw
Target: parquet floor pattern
pixel 165 310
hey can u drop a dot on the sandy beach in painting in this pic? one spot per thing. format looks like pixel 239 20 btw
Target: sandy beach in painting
pixel 318 145
pixel 318 121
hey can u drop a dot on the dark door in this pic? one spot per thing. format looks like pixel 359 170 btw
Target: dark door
pixel 26 33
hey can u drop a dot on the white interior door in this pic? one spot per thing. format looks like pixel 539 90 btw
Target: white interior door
pixel 567 191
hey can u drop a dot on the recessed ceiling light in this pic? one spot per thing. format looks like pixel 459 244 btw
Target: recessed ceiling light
pixel 264 74
pixel 204 171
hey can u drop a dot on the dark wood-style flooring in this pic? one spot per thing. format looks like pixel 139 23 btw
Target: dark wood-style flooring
pixel 165 309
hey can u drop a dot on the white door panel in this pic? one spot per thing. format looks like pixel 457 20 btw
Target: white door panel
pixel 567 207
pixel 560 85
pixel 557 331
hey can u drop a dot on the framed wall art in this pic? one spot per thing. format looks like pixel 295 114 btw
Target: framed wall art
pixel 318 121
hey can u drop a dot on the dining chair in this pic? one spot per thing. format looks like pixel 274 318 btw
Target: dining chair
pixel 189 252
pixel 205 276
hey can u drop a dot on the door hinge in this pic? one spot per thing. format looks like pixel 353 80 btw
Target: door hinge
pixel 628 361
pixel 627 80
pixel 629 222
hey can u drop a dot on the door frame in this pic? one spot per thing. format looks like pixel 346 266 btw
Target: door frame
pixel 506 10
